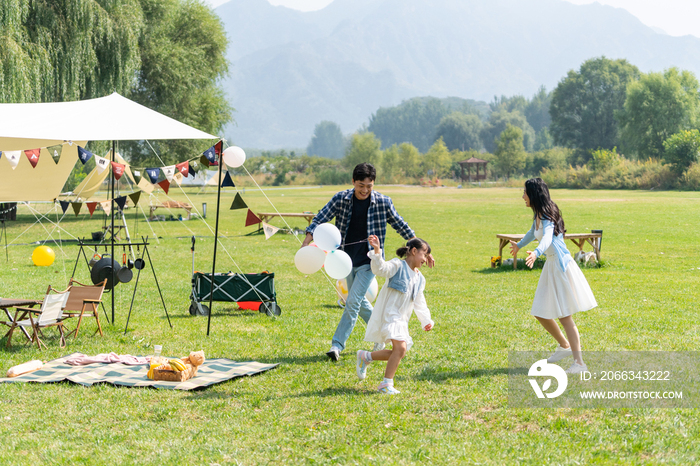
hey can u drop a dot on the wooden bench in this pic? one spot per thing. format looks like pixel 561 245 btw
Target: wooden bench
pixel 171 205
pixel 579 239
pixel 268 215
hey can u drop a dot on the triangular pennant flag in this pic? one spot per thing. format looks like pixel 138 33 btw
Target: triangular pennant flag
pixel 84 155
pixel 204 161
pixel 210 154
pixel 194 167
pixel 165 184
pixel 118 170
pixel 219 148
pixel 64 205
pixel 101 163
pixel 106 206
pixel 135 197
pixel 269 230
pixel 137 176
pixel 183 168
pixel 227 181
pixel 0 154
pixel 178 178
pixel 145 186
pixel 33 156
pixel 91 207
pixel 153 174
pixel 121 202
pixel 169 171
pixel 238 203
pixel 251 219
pixel 13 157
pixel 76 207
pixel 55 152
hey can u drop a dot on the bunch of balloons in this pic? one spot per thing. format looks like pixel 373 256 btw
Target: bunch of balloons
pixel 324 253
pixel 372 292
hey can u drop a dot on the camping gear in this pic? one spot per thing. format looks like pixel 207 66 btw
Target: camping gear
pixel 125 274
pixel 24 368
pixel 94 260
pixel 234 287
pixel 50 315
pixel 82 302
pixel 103 270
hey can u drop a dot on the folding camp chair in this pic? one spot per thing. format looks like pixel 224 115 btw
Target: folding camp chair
pixel 49 315
pixel 82 302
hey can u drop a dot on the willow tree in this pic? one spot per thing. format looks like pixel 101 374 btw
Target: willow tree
pixel 183 58
pixel 62 50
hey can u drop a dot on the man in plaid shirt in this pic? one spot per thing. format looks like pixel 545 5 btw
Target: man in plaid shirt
pixel 359 212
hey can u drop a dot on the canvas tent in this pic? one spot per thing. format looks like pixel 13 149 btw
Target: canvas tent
pixel 40 125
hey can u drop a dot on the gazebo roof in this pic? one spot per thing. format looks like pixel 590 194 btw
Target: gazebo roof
pixel 473 160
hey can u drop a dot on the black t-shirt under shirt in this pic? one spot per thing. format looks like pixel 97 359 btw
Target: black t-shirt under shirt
pixel 357 231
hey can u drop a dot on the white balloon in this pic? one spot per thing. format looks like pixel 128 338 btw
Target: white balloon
pixel 372 291
pixel 309 259
pixel 338 264
pixel 327 237
pixel 234 156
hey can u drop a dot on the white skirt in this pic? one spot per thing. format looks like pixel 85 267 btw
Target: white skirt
pixel 561 294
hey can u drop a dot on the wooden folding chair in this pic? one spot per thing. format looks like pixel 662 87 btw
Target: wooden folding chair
pixel 84 298
pixel 49 315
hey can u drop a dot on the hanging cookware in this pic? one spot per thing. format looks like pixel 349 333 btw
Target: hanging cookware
pixel 103 269
pixel 94 260
pixel 139 264
pixel 125 274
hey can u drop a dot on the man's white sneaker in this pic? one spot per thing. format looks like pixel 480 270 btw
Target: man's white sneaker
pixel 334 353
pixel 559 354
pixel 576 368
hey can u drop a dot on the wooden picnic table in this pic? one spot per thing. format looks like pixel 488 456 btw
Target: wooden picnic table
pixel 265 216
pixel 171 205
pixel 579 239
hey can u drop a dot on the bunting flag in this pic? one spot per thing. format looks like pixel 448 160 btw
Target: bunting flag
pixel 84 155
pixel 101 163
pixel 91 207
pixel 227 181
pixel 135 197
pixel 55 152
pixel 13 157
pixel 183 168
pixel 64 205
pixel 33 156
pixel 118 170
pixel 177 178
pixel 106 206
pixel 145 186
pixel 169 171
pixel 269 230
pixel 0 154
pixel 121 202
pixel 210 155
pixel 194 167
pixel 219 148
pixel 204 161
pixel 76 207
pixel 165 184
pixel 153 174
pixel 137 176
pixel 251 219
pixel 238 203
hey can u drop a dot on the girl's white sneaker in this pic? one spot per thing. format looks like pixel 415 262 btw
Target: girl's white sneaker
pixel 559 354
pixel 576 368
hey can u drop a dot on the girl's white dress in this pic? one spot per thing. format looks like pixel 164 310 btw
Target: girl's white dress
pixel 560 294
pixel 392 310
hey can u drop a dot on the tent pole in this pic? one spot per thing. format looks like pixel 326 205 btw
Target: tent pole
pixel 112 231
pixel 216 240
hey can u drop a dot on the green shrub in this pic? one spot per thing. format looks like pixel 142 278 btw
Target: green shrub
pixel 334 176
pixel 691 178
pixel 623 174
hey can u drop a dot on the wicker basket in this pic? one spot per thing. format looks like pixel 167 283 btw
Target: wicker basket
pixel 172 376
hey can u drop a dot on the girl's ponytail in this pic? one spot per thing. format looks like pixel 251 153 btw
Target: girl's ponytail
pixel 412 243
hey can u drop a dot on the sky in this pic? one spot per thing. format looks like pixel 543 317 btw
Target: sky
pixel 675 17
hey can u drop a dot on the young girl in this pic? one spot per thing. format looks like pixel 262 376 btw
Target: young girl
pixel 562 290
pixel 401 294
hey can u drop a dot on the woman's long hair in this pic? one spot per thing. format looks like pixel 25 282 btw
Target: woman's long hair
pixel 542 205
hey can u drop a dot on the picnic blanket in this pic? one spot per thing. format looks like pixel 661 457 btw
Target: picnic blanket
pixel 213 371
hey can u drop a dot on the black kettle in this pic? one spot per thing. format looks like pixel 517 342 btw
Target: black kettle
pixel 105 268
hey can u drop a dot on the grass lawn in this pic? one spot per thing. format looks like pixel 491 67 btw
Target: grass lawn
pixel 454 402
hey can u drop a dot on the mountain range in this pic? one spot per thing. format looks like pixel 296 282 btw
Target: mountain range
pixel 291 70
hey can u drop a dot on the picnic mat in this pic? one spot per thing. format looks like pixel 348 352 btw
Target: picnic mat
pixel 213 371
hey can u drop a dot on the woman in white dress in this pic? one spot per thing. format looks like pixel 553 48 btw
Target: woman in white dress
pixel 400 296
pixel 562 290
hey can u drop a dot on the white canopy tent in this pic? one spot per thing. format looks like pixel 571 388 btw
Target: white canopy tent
pixel 32 126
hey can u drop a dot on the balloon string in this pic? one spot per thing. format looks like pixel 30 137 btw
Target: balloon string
pixel 356 242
